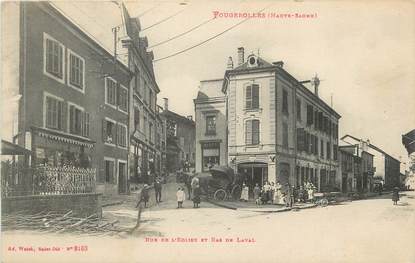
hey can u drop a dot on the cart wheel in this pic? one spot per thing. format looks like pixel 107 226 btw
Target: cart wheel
pixel 220 195
pixel 324 202
pixel 236 192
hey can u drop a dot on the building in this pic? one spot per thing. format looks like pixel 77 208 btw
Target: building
pixel 355 169
pixel 180 140
pixel 73 110
pixel 211 128
pixel 384 167
pixel 146 127
pixel 277 129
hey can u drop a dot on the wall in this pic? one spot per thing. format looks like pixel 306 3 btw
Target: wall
pixel 82 205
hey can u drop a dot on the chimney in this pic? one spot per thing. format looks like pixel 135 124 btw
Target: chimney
pixel 230 63
pixel 278 64
pixel 166 103
pixel 241 56
pixel 315 82
pixel 190 117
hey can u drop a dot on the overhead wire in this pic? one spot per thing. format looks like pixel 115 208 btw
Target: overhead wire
pixel 163 20
pixel 187 31
pixel 211 38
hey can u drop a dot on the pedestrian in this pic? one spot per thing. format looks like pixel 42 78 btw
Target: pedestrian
pixel 289 195
pixel 310 192
pixel 395 195
pixel 181 196
pixel 143 196
pixel 157 189
pixel 196 197
pixel 245 193
pixel 257 193
pixel 300 194
pixel 188 184
pixel 272 191
pixel 278 194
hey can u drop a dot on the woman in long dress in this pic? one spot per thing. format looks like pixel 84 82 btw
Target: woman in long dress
pixel 278 194
pixel 245 193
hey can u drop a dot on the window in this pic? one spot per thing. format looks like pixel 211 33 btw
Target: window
pixel 76 71
pixel 110 91
pixel 335 150
pixel 54 113
pixel 252 97
pixel 210 125
pixel 122 98
pixel 137 81
pixel 298 106
pixel 300 139
pixel 109 170
pixel 285 102
pixel 151 100
pixel 316 119
pixel 211 155
pixel 310 117
pixel 316 145
pixel 122 135
pixel 285 135
pixel 328 152
pixel 150 131
pixel 322 149
pixel 136 119
pixel 78 121
pixel 320 121
pixel 53 58
pixel 109 130
pixel 145 125
pixel 252 132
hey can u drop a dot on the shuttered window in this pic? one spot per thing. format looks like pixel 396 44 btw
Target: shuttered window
pixel 285 102
pixel 310 112
pixel 122 98
pixel 252 97
pixel 54 57
pixel 111 91
pixel 79 121
pixel 54 113
pixel 109 171
pixel 285 135
pixel 76 70
pixel 252 132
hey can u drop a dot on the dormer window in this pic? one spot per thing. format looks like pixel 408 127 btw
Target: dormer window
pixel 252 61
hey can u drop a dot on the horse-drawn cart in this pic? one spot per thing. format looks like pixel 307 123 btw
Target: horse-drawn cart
pixel 220 183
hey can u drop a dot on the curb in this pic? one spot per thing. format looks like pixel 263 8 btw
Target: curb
pixel 113 203
pixel 263 211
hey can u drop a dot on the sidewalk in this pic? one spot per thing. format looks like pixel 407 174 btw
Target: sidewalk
pixel 251 206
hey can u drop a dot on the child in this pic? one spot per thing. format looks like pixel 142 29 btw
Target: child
pixel 181 196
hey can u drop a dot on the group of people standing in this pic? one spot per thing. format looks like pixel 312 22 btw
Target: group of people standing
pixel 275 193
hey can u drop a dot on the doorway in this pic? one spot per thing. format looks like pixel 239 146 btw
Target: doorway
pixel 254 173
pixel 122 176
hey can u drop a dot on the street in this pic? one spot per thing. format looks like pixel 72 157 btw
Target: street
pixel 370 230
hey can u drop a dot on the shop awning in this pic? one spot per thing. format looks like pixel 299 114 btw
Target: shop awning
pixel 8 148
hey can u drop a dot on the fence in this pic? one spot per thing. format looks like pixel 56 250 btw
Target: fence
pixel 62 180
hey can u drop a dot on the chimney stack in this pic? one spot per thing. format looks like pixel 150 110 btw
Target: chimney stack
pixel 190 117
pixel 278 64
pixel 241 56
pixel 166 104
pixel 315 82
pixel 230 63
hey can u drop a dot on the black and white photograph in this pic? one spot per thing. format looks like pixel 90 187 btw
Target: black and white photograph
pixel 207 131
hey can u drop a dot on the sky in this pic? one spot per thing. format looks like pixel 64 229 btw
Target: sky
pixel 364 53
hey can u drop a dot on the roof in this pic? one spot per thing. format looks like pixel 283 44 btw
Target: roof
pixel 8 148
pixel 266 66
pixel 369 145
pixel 170 114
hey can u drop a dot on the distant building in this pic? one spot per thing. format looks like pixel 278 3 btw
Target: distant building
pixel 386 167
pixel 211 128
pixel 356 169
pixel 180 140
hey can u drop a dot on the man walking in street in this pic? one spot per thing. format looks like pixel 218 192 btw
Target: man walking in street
pixel 157 189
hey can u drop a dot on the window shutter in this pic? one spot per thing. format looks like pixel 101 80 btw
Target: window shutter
pixel 71 118
pixel 111 172
pixel 255 131
pixel 248 97
pixel 118 95
pixel 255 96
pixel 115 134
pixel 104 130
pixel 248 132
pixel 64 116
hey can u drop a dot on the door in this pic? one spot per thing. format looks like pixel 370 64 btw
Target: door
pixel 344 183
pixel 122 177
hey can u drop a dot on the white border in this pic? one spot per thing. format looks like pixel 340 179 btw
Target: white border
pixel 106 92
pixel 115 170
pixel 68 55
pixel 62 80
